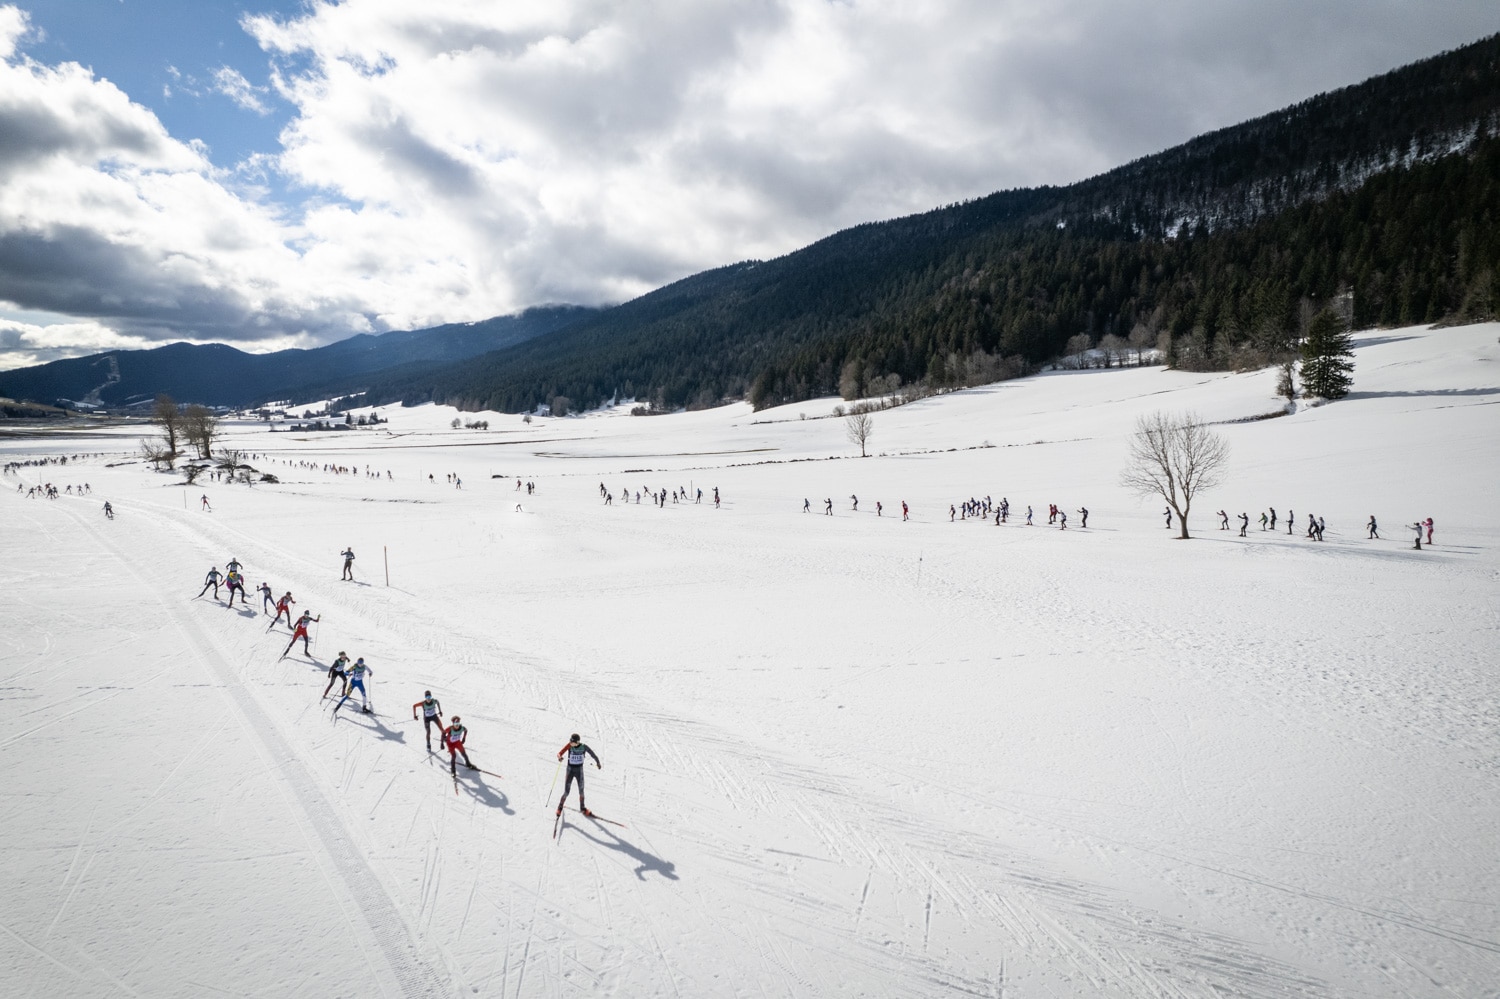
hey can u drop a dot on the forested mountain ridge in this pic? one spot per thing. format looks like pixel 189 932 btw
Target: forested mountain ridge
pixel 220 375
pixel 1383 194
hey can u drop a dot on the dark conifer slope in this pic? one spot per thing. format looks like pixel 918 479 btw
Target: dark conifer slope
pixel 1386 190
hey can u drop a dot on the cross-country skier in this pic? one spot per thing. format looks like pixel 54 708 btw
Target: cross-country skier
pixel 1428 524
pixel 357 674
pixel 1291 519
pixel 233 565
pixel 1223 520
pixel 855 500
pixel 1418 527
pixel 806 505
pixel 212 579
pixel 1244 523
pixel 348 554
pixel 204 505
pixel 905 511
pixel 453 737
pixel 300 631
pixel 828 506
pixel 432 714
pixel 1168 514
pixel 284 606
pixel 266 600
pixel 1273 518
pixel 1374 534
pixel 235 582
pixel 1085 511
pixel 337 672
pixel 109 511
pixel 575 750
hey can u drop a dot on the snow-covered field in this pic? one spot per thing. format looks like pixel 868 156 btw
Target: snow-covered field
pixel 852 756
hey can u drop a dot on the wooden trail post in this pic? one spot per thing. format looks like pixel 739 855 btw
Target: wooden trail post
pixel 385 554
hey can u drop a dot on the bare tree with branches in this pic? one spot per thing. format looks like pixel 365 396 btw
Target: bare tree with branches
pixel 200 428
pixel 1174 456
pixel 859 427
pixel 166 413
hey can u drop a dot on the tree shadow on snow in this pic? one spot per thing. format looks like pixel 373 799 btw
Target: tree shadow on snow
pixel 646 862
pixel 1423 393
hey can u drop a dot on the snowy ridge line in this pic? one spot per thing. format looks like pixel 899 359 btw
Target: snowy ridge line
pixel 412 976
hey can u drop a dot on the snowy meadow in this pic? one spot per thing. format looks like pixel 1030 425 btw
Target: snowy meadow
pixel 842 755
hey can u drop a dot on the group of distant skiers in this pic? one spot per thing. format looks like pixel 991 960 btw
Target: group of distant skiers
pixel 1315 525
pixel 658 497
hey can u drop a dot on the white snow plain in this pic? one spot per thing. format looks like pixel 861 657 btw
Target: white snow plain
pixel 853 756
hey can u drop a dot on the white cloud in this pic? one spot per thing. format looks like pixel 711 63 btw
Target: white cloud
pixel 232 84
pixel 464 159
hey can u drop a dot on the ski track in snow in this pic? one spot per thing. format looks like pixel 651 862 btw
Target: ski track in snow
pixel 753 864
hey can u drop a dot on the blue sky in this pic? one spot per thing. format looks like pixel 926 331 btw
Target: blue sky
pixel 152 48
pixel 271 173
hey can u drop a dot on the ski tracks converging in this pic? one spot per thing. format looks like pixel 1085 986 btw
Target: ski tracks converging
pixel 372 913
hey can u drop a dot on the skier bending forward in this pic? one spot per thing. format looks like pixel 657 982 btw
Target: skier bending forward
pixel 575 751
pixel 453 737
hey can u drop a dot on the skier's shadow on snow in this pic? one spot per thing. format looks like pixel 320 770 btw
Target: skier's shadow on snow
pixel 378 727
pixel 248 612
pixel 473 782
pixel 483 793
pixel 646 861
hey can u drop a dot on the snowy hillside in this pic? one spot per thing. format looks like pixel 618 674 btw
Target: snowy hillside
pixel 848 755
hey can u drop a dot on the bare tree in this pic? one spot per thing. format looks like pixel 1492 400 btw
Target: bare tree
pixel 200 428
pixel 1174 456
pixel 157 452
pixel 859 427
pixel 1114 349
pixel 166 413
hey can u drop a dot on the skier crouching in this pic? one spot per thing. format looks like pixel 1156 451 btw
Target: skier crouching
pixel 575 751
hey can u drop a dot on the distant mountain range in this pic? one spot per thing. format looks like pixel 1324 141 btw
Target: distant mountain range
pixel 1383 197
pixel 218 375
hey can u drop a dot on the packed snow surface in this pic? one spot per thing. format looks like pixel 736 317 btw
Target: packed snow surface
pixel 843 755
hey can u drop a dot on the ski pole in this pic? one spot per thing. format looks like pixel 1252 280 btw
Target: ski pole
pixel 554 780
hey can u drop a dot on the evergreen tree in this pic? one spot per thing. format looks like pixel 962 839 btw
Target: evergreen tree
pixel 1327 357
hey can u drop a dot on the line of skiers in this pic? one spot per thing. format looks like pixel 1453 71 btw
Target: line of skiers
pixel 1315 525
pixel 354 677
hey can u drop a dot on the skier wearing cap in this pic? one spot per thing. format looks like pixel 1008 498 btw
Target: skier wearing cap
pixel 266 600
pixel 575 751
pixel 300 631
pixel 348 554
pixel 284 606
pixel 336 672
pixel 212 579
pixel 432 714
pixel 453 737
pixel 233 565
pixel 357 674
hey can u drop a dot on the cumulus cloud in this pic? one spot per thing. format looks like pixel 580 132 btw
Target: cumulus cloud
pixel 459 160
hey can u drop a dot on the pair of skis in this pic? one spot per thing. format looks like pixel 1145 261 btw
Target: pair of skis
pixel 556 825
